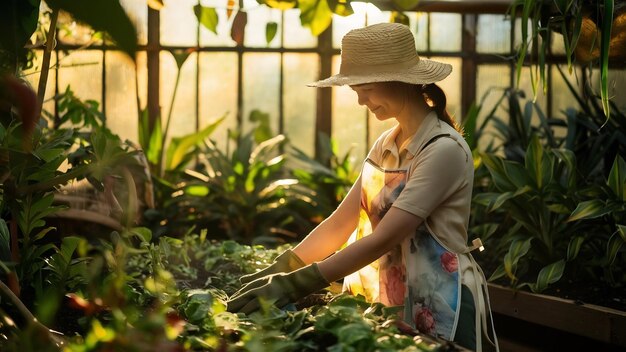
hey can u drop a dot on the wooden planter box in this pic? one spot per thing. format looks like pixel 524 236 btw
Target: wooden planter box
pixel 560 323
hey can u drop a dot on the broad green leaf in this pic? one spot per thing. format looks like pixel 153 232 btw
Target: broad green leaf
pixel 569 158
pixel 622 231
pixel 5 236
pixel 617 178
pixel 270 31
pixel 207 16
pixel 534 159
pixel 498 273
pixel 613 246
pixel 142 233
pixel 516 174
pixel 549 275
pixel 179 147
pixel 588 210
pixel 495 165
pixel 406 4
pixel 574 247
pixel 500 200
pixel 517 250
pixel 315 14
pixel 103 15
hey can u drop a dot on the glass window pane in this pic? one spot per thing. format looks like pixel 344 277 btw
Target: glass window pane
pixel 33 74
pixel 526 84
pixel 445 32
pixel 137 11
pixel 224 26
pixel 299 100
pixel 562 97
pixel 493 34
pixel 451 85
pixel 82 70
pixel 419 27
pixel 342 25
pixel 261 80
pixel 218 93
pixel 557 46
pixel 296 36
pixel 258 18
pixel 179 25
pixel 72 32
pixel 349 120
pixel 121 95
pixel 491 81
pixel 617 85
pixel 183 120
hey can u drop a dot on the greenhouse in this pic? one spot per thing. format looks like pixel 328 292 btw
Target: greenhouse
pixel 314 175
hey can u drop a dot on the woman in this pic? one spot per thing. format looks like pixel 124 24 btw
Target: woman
pixel 410 205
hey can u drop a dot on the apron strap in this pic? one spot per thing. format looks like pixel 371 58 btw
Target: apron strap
pixel 434 138
pixel 483 307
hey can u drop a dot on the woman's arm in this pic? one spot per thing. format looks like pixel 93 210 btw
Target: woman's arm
pixel 334 231
pixel 392 230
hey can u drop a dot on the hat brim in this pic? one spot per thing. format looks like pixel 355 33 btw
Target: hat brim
pixel 424 72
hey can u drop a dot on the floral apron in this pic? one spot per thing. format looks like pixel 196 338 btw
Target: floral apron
pixel 420 273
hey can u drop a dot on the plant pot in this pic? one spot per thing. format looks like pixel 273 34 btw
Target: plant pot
pixel 563 323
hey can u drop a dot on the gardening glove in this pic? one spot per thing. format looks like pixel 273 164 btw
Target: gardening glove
pixel 287 262
pixel 280 288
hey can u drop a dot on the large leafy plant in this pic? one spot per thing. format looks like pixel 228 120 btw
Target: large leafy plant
pixel 588 35
pixel 245 194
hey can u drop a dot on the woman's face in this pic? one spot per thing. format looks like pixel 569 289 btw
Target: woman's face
pixel 385 99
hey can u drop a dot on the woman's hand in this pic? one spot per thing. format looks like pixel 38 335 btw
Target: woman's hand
pixel 279 288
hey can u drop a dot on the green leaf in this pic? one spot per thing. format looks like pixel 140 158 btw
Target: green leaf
pixel 498 273
pixel 406 4
pixel 589 209
pixel 517 250
pixel 534 159
pixel 142 233
pixel 315 14
pixel 5 236
pixel 180 56
pixel 341 7
pixel 613 246
pixel 179 147
pixel 270 31
pixel 574 247
pixel 549 275
pixel 617 178
pixel 207 16
pixel 103 15
pixel 605 43
pixel 399 17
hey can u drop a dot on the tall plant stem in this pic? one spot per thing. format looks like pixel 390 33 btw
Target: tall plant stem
pixel 28 316
pixel 43 78
pixel 167 125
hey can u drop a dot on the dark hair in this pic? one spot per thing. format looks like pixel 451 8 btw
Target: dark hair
pixel 434 93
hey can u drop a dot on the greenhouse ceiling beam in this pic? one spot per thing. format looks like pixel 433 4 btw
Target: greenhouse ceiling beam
pixel 458 6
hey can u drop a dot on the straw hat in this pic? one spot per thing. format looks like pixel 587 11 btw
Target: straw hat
pixel 383 52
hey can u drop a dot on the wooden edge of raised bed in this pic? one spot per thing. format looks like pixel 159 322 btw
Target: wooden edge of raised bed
pixel 596 322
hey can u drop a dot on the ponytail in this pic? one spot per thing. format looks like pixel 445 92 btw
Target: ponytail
pixel 436 95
